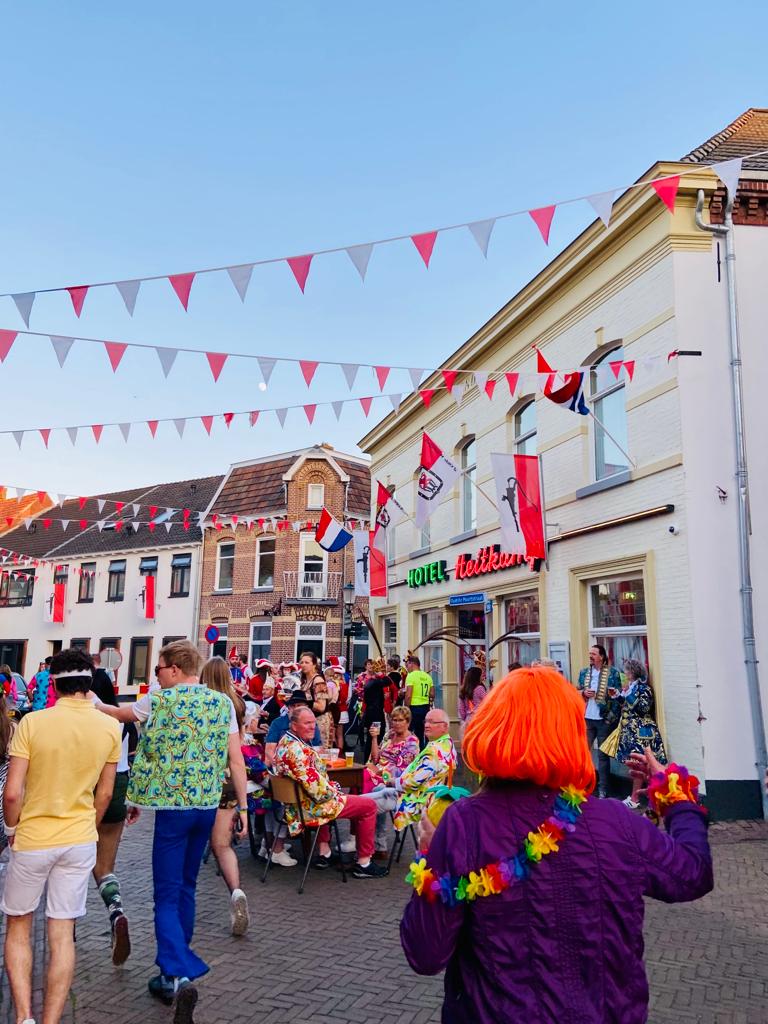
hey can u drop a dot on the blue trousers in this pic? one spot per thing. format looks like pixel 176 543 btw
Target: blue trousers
pixel 177 852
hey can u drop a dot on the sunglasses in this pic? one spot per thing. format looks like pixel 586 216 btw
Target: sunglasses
pixel 160 668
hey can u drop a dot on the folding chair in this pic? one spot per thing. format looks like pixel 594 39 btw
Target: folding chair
pixel 399 844
pixel 287 792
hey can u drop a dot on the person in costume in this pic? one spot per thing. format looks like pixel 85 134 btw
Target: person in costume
pixel 388 762
pixel 599 684
pixel 637 728
pixel 530 892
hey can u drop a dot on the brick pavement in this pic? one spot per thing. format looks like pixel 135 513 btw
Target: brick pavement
pixel 332 955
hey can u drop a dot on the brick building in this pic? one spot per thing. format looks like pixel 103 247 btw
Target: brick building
pixel 267 586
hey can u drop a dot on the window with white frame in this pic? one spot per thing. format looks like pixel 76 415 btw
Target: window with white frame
pixel 225 566
pixel 468 492
pixel 265 563
pixel 218 649
pixel 389 635
pixel 181 573
pixel 522 619
pixel 310 637
pixel 261 640
pixel 525 429
pixel 617 619
pixel 315 495
pixel 608 405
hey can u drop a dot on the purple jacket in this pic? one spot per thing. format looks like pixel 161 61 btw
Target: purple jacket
pixel 566 945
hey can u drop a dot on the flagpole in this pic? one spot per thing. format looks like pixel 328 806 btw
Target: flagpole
pixel 605 430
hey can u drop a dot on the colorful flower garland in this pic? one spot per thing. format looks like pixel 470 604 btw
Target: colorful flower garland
pixel 672 786
pixel 498 876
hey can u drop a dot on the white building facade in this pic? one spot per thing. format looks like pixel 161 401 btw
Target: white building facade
pixel 643 554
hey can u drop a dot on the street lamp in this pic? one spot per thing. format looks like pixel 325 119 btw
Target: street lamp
pixel 349 600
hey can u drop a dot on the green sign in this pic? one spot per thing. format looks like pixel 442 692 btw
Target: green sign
pixel 432 572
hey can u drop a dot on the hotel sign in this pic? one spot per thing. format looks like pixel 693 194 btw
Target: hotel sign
pixel 488 560
pixel 432 572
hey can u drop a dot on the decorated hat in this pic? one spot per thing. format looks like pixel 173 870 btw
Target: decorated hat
pixel 379 666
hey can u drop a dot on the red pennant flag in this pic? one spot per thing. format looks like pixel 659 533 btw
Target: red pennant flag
pixel 83 524
pixel 82 502
pixel 78 298
pixel 41 496
pixel 97 429
pixel 449 376
pixel 185 524
pixel 427 395
pixel 254 417
pixel 216 362
pixel 542 366
pixel 310 412
pixel 425 243
pixel 382 372
pixel 300 268
pixel 115 352
pixel 207 422
pixel 47 524
pixel 512 379
pixel 7 338
pixel 235 520
pixel 542 218
pixel 490 386
pixel 119 524
pixel 308 368
pixel 228 417
pixel 119 506
pixel 152 424
pixel 45 433
pixel 666 190
pixel 152 511
pixel 629 366
pixel 182 285
pixel 366 404
pixel 9 521
pixel 186 513
pixel 616 367
pixel 152 527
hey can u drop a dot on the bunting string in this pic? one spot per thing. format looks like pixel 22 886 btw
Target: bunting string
pixel 360 253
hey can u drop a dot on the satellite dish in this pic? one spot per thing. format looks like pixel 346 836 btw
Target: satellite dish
pixel 111 659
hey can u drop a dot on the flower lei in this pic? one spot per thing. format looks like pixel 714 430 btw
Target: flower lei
pixel 498 876
pixel 672 786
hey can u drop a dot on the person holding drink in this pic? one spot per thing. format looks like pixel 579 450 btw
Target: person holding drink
pixel 599 684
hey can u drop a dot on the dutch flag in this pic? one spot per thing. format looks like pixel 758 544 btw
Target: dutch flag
pixel 330 534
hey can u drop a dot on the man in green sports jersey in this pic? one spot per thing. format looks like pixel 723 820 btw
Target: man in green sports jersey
pixel 419 696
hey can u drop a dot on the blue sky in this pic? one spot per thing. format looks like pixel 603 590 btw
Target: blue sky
pixel 153 138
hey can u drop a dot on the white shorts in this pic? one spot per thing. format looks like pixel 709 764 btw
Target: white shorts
pixel 66 869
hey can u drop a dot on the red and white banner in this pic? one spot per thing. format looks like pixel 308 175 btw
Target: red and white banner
pixel 145 602
pixel 362 545
pixel 436 477
pixel 54 603
pixel 389 512
pixel 378 569
pixel 521 510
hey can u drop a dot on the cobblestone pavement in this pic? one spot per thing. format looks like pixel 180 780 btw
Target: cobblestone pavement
pixel 332 955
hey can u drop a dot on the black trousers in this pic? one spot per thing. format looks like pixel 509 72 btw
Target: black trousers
pixel 418 714
pixel 599 730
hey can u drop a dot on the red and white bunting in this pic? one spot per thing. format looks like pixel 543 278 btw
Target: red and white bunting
pixel 382 372
pixel 425 243
pixel 308 369
pixel 300 269
pixel 115 352
pixel 7 338
pixel 216 362
pixel 666 190
pixel 182 285
pixel 77 295
pixel 542 218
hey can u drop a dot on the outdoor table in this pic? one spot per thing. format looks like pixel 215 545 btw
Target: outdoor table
pixel 348 778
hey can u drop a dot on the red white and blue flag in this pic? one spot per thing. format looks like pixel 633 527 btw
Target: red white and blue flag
pixel 570 394
pixel 330 534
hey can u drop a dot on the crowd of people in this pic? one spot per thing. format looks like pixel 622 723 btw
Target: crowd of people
pixel 199 749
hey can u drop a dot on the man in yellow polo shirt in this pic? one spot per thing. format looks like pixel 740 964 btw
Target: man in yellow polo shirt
pixel 60 779
pixel 419 696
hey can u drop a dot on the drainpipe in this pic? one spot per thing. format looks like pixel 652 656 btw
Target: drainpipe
pixel 742 479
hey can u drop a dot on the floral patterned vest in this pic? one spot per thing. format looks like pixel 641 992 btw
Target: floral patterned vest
pixel 182 752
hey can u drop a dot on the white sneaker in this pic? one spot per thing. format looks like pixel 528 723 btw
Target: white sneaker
pixel 284 859
pixel 630 803
pixel 349 845
pixel 238 912
pixel 263 851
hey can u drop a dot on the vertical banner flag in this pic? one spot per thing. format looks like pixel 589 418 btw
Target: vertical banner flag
pixel 389 512
pixel 54 603
pixel 436 476
pixel 362 543
pixel 330 534
pixel 145 602
pixel 378 568
pixel 521 513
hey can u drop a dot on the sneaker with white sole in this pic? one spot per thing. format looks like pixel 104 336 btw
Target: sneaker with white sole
pixel 263 851
pixel 284 859
pixel 238 912
pixel 369 871
pixel 630 803
pixel 349 845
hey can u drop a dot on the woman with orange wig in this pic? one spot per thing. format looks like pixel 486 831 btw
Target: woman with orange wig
pixel 530 893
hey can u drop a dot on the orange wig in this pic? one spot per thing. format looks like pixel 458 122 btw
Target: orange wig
pixel 531 727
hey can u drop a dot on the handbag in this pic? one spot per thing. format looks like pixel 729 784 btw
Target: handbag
pixel 610 744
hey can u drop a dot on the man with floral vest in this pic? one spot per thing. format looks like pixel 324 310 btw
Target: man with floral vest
pixel 189 735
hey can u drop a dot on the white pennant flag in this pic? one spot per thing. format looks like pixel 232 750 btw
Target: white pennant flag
pixel 180 424
pixel 135 527
pixel 24 302
pixel 337 407
pixel 266 365
pixel 61 346
pixel 27 523
pixel 295 527
pixel 350 373
pixel 416 376
pixel 129 291
pixel 360 256
pixel 168 527
pixel 167 357
pixel 396 400
pixel 18 436
pixel 602 204
pixel 729 172
pixel 481 379
pixel 72 431
pixel 481 232
pixel 281 414
pixel 135 508
pixel 60 499
pixel 458 393
pixel 241 278
pixel 101 502
pixel 64 525
pixel 125 429
pixel 100 524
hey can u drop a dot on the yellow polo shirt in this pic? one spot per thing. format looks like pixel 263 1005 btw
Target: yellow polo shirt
pixel 67 747
pixel 422 687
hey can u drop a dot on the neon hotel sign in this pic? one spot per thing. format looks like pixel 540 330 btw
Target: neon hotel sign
pixel 488 560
